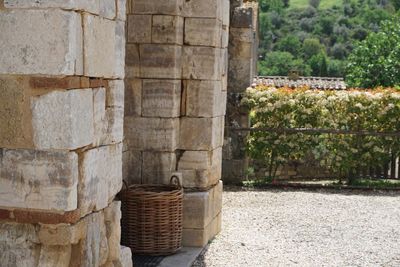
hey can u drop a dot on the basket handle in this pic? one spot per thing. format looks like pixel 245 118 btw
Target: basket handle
pixel 125 184
pixel 175 180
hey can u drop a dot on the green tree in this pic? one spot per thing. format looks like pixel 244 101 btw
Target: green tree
pixel 281 63
pixel 291 44
pixel 314 3
pixel 319 65
pixel 376 60
pixel 311 47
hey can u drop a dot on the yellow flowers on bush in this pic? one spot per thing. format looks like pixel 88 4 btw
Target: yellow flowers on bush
pixel 350 110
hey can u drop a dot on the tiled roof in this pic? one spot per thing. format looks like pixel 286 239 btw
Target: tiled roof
pixel 312 82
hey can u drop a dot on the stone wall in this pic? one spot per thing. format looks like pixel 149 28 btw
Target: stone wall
pixel 175 98
pixel 61 117
pixel 243 46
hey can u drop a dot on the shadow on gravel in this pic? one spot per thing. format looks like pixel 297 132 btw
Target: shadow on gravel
pixel 200 262
pixel 320 190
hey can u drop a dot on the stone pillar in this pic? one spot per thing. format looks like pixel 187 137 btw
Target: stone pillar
pixel 176 76
pixel 243 45
pixel 61 117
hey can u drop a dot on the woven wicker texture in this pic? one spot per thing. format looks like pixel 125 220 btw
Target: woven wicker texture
pixel 152 217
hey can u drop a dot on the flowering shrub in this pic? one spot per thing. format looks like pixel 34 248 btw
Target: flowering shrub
pixel 352 110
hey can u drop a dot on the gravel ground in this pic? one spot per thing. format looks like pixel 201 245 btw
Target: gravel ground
pixel 289 228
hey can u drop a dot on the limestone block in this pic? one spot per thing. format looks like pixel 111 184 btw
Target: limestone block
pixel 15 113
pixel 18 245
pixel 204 98
pixel 139 28
pixel 161 98
pixel 28 51
pixel 62 234
pixel 115 94
pixel 119 51
pixel 197 209
pixel 160 61
pixel 91 6
pixel 203 9
pixel 108 9
pixel 157 167
pixel 240 74
pixel 63 119
pixel 241 49
pixel 200 237
pixel 151 133
pixel 242 17
pixel 224 61
pixel 92 249
pixel 225 13
pixel 43 180
pixel 132 61
pixel 99 115
pixel 51 256
pixel 200 169
pixel 167 29
pixel 171 7
pixel 114 133
pixel 112 218
pixel 122 9
pixel 126 257
pixel 105 60
pixel 203 32
pixel 217 199
pixel 100 177
pixel 133 97
pixel 241 35
pixel 201 133
pixel 224 37
pixel 132 167
pixel 201 63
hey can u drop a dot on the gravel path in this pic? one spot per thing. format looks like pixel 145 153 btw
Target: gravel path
pixel 289 228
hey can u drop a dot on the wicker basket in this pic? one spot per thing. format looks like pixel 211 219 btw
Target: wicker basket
pixel 152 218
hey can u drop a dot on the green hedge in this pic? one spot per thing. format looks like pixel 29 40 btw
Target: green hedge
pixel 375 111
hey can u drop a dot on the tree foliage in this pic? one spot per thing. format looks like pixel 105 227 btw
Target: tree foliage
pixel 376 60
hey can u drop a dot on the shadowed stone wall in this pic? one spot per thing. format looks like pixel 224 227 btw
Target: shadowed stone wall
pixel 176 78
pixel 243 45
pixel 61 117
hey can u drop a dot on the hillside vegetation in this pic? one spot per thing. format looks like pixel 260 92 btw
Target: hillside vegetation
pixel 315 37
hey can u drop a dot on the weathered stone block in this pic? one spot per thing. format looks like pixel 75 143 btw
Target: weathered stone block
pixel 112 218
pixel 157 167
pixel 43 180
pixel 201 133
pixel 203 32
pixel 161 98
pixel 151 133
pixel 240 49
pixel 122 9
pixel 100 177
pixel 225 12
pixel 241 35
pixel 200 169
pixel 240 74
pixel 139 28
pixel 167 29
pixel 55 256
pixel 225 37
pixel 105 60
pixel 204 98
pixel 171 7
pixel 125 257
pixel 200 237
pixel 52 129
pixel 132 167
pixel 18 245
pixel 201 63
pixel 132 61
pixel 242 17
pixel 108 9
pixel 91 6
pixel 160 61
pixel 203 9
pixel 115 94
pixel 28 50
pixel 133 97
